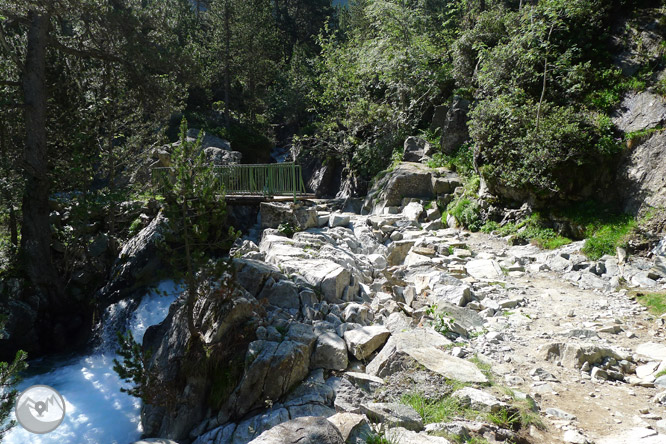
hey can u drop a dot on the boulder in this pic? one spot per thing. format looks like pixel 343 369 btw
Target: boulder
pixel 415 149
pixel 398 251
pixel 454 130
pixel 561 414
pixel 421 346
pixel 300 217
pixel 575 355
pixel 640 111
pixel 313 397
pixel 459 295
pixel 252 427
pixel 138 262
pixel 392 413
pixel 413 211
pixel 305 430
pixel 272 369
pixel 407 179
pixel 283 294
pixel 330 352
pixel 404 436
pixel 361 342
pixel 219 156
pixel 652 350
pixel 484 269
pixel 252 274
pixel 338 220
pixel 352 426
pixel 479 400
pixel 641 175
pixel 208 140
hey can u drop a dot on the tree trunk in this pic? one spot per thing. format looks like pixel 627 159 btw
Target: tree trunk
pixel 36 230
pixel 227 62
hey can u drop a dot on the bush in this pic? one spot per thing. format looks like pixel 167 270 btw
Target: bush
pixel 519 158
pixel 466 212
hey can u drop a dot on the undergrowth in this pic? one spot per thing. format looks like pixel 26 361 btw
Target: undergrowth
pixel 460 161
pixel 528 230
pixel 603 229
pixel 464 208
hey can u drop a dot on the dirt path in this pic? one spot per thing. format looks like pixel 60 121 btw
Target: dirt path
pixel 554 310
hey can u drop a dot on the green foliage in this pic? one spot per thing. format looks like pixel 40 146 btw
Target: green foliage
pixel 133 368
pixel 532 230
pixel 442 322
pixel 462 161
pixel 380 438
pixel 195 208
pixel 287 229
pixel 466 212
pixel 9 377
pixel 134 227
pixel 505 418
pixel 375 82
pixel 607 237
pixel 642 134
pixel 604 229
pixel 516 154
pixel 529 230
pixel 532 123
pixel 437 410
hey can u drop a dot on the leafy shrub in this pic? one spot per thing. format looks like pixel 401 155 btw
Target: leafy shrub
pixel 466 212
pixel 134 227
pixel 518 153
pixel 287 229
pixel 462 161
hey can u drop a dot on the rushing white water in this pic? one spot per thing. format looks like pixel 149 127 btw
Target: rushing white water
pixel 96 411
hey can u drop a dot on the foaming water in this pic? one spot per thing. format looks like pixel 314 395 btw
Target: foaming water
pixel 96 411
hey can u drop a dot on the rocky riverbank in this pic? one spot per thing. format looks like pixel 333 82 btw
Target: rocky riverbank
pixel 377 322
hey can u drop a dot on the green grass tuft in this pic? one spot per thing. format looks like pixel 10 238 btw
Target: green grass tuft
pixel 655 302
pixel 439 410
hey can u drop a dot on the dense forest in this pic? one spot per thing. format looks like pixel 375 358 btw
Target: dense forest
pixel 89 89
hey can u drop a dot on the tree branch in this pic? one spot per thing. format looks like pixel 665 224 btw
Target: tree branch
pixel 10 83
pixel 11 54
pixel 90 53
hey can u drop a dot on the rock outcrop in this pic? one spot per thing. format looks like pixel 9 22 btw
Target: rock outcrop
pixel 360 312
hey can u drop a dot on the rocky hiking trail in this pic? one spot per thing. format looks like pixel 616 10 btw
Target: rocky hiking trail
pixel 406 332
pixel 577 406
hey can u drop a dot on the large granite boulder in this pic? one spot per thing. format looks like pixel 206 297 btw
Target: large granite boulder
pixel 640 111
pixel 404 350
pixel 454 129
pixel 407 179
pixel 306 430
pixel 299 216
pixel 137 263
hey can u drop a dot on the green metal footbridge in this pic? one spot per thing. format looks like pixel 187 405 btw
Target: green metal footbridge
pixel 253 181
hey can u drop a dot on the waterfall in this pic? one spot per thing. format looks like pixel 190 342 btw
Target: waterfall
pixel 96 410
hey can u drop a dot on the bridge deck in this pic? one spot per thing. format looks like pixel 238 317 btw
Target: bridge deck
pixel 250 182
pixel 257 198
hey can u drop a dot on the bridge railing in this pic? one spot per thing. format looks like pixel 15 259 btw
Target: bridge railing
pixel 273 179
